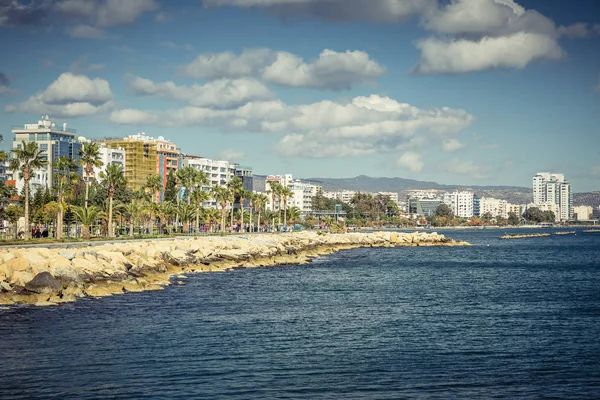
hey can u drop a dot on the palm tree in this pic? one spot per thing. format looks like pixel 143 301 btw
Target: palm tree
pixel 244 194
pixel 294 214
pixel 132 211
pixel 260 201
pixel 251 197
pixel 26 159
pixel 90 158
pixel 286 193
pixel 198 197
pixel 166 211
pixel 270 215
pixel 87 217
pixel 114 177
pixel 234 185
pixel 65 168
pixel 154 185
pixel 186 213
pixel 211 216
pixel 222 195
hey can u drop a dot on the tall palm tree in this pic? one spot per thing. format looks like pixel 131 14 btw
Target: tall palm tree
pixel 286 193
pixel 186 212
pixel 222 195
pixel 198 197
pixel 270 215
pixel 276 192
pixel 90 158
pixel 154 185
pixel 234 185
pixel 260 202
pixel 251 196
pixel 188 178
pixel 26 160
pixel 167 210
pixel 114 177
pixel 132 211
pixel 211 215
pixel 243 194
pixel 87 217
pixel 65 168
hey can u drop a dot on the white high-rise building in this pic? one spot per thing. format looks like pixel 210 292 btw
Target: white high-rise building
pixel 582 213
pixel 218 172
pixel 461 203
pixel 553 190
pixel 493 207
pixel 109 156
pixel 303 192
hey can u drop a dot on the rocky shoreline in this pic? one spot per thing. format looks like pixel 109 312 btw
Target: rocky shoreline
pixel 525 236
pixel 50 276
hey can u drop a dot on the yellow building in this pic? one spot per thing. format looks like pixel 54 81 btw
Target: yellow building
pixel 147 156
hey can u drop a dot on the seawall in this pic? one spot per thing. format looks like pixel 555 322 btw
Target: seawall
pixel 50 276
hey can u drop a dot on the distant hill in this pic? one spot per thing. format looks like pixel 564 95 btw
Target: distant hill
pixel 512 194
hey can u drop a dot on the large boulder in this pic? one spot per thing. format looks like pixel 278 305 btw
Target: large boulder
pixel 67 253
pixel 66 274
pixel 18 264
pixel 20 278
pixel 43 282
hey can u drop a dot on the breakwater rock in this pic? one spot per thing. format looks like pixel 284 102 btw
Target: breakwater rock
pixel 50 276
pixel 525 236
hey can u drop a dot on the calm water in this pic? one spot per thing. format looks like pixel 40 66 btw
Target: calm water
pixel 519 318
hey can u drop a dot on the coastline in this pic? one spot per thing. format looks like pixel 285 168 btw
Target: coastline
pixel 44 276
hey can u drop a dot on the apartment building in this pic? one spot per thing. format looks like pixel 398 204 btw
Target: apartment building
pixel 109 156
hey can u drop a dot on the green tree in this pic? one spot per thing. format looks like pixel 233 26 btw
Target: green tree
pixel 234 186
pixel 171 191
pixel 443 210
pixel 260 202
pixel 198 197
pixel 114 177
pixel 64 171
pixel 286 193
pixel 154 185
pixel 294 214
pixel 13 213
pixel 533 214
pixel 513 219
pixel 26 160
pixel 548 216
pixel 90 158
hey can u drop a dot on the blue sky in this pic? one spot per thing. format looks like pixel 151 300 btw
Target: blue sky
pixel 458 92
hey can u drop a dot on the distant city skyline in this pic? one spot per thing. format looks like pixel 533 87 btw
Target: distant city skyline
pixel 468 92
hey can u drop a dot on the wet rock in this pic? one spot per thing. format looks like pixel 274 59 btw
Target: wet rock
pixel 43 282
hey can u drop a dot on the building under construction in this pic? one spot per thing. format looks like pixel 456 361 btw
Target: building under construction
pixel 147 156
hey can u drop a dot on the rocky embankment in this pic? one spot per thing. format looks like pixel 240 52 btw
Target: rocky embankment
pixel 43 276
pixel 525 236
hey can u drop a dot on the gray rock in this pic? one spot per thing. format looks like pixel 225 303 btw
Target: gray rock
pixel 5 287
pixel 43 282
pixel 68 254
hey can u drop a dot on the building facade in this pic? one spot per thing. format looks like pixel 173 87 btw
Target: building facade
pixel 147 156
pixel 583 213
pixel 218 172
pixel 553 192
pixel 461 203
pixel 109 156
pixel 54 142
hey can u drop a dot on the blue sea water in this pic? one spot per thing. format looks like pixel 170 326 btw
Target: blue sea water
pixel 515 319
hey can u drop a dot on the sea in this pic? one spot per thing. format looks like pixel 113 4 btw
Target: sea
pixel 502 319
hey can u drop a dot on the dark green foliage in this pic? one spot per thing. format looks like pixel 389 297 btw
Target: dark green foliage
pixel 171 188
pixel 513 218
pixel 444 211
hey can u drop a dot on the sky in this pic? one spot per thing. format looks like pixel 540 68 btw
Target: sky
pixel 466 92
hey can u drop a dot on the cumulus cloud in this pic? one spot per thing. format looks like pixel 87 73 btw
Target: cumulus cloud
pixel 220 93
pixel 86 32
pixel 332 70
pixel 69 96
pixel 249 62
pixel 106 12
pixel 461 56
pixel 410 160
pixel 452 145
pixel 467 167
pixel 339 10
pixel 578 30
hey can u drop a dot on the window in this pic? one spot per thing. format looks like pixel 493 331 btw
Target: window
pixel 44 147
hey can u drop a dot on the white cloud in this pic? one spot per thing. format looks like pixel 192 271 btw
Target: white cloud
pixel 69 96
pixel 341 10
pixel 578 30
pixel 106 12
pixel 332 70
pixel 6 91
pixel 228 64
pixel 221 93
pixel 175 46
pixel 232 155
pixel 461 56
pixel 410 160
pixel 467 167
pixel 452 145
pixel 86 32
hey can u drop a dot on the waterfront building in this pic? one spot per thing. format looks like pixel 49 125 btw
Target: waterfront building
pixel 461 203
pixel 147 156
pixel 244 172
pixel 423 207
pixel 54 141
pixel 303 192
pixel 5 173
pixel 552 189
pixel 109 156
pixel 496 208
pixel 218 172
pixel 583 213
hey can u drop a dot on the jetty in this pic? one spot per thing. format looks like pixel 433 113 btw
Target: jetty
pixel 565 233
pixel 43 276
pixel 524 236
